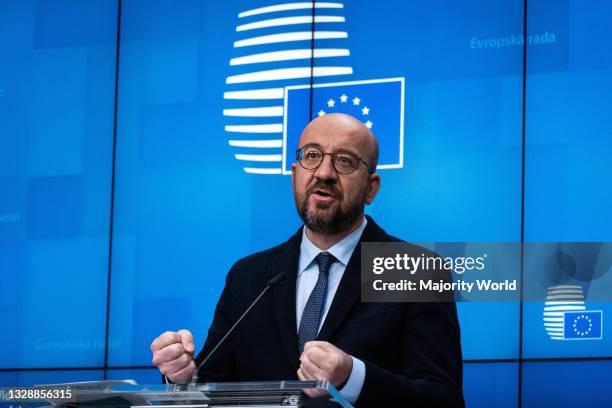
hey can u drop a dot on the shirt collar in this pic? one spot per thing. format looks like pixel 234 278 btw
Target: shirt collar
pixel 342 250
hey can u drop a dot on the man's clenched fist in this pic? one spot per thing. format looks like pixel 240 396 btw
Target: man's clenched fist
pixel 324 361
pixel 173 355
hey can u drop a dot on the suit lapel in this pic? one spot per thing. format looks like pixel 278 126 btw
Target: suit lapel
pixel 347 295
pixel 349 290
pixel 284 297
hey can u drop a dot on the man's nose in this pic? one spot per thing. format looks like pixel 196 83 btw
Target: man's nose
pixel 326 170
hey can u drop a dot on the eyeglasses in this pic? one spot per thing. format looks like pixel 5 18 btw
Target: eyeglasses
pixel 311 157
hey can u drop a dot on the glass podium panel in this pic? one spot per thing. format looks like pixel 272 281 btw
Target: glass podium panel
pixel 125 394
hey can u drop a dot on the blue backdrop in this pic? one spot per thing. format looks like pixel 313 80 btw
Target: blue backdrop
pixel 143 146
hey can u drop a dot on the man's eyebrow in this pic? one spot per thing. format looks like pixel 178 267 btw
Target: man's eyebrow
pixel 343 150
pixel 340 150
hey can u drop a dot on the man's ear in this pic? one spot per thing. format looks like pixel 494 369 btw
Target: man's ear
pixel 373 188
pixel 293 170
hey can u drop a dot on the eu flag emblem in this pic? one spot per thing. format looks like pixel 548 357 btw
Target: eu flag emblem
pixel 378 103
pixel 584 325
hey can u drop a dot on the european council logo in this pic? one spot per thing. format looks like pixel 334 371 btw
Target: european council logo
pixel 566 317
pixel 281 50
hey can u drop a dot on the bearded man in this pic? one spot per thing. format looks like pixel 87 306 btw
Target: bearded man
pixel 313 325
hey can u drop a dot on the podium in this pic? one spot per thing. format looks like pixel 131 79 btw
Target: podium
pixel 103 394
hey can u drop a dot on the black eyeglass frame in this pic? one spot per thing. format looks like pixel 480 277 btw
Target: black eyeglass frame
pixel 333 156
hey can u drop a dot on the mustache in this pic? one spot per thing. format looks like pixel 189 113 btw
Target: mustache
pixel 327 188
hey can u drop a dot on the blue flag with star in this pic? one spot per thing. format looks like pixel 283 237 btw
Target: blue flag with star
pixel 584 325
pixel 379 104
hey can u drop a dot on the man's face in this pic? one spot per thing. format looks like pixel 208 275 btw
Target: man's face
pixel 329 202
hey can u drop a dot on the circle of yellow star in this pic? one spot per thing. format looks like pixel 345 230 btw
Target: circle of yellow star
pixel 356 101
pixel 365 110
pixel 321 112
pixel 343 98
pixel 369 124
pixel 331 103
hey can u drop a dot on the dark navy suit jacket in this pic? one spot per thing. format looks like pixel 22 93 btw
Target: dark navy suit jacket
pixel 411 351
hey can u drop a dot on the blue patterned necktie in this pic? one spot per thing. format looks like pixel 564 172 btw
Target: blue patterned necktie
pixel 311 317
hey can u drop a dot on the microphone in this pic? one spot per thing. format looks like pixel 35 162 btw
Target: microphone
pixel 271 283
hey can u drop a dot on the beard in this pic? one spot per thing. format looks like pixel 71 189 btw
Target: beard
pixel 328 219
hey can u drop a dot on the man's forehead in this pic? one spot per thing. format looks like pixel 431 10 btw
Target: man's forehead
pixel 337 136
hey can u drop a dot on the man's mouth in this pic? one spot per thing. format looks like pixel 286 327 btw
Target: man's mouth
pixel 324 193
pixel 320 194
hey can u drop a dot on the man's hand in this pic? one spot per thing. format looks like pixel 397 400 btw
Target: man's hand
pixel 324 361
pixel 173 355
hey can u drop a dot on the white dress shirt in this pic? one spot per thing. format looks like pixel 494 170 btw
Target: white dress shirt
pixel 308 273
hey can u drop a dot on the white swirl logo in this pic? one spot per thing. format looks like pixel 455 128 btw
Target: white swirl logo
pixel 282 49
pixel 565 315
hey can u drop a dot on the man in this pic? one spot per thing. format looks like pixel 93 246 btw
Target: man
pixel 313 325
